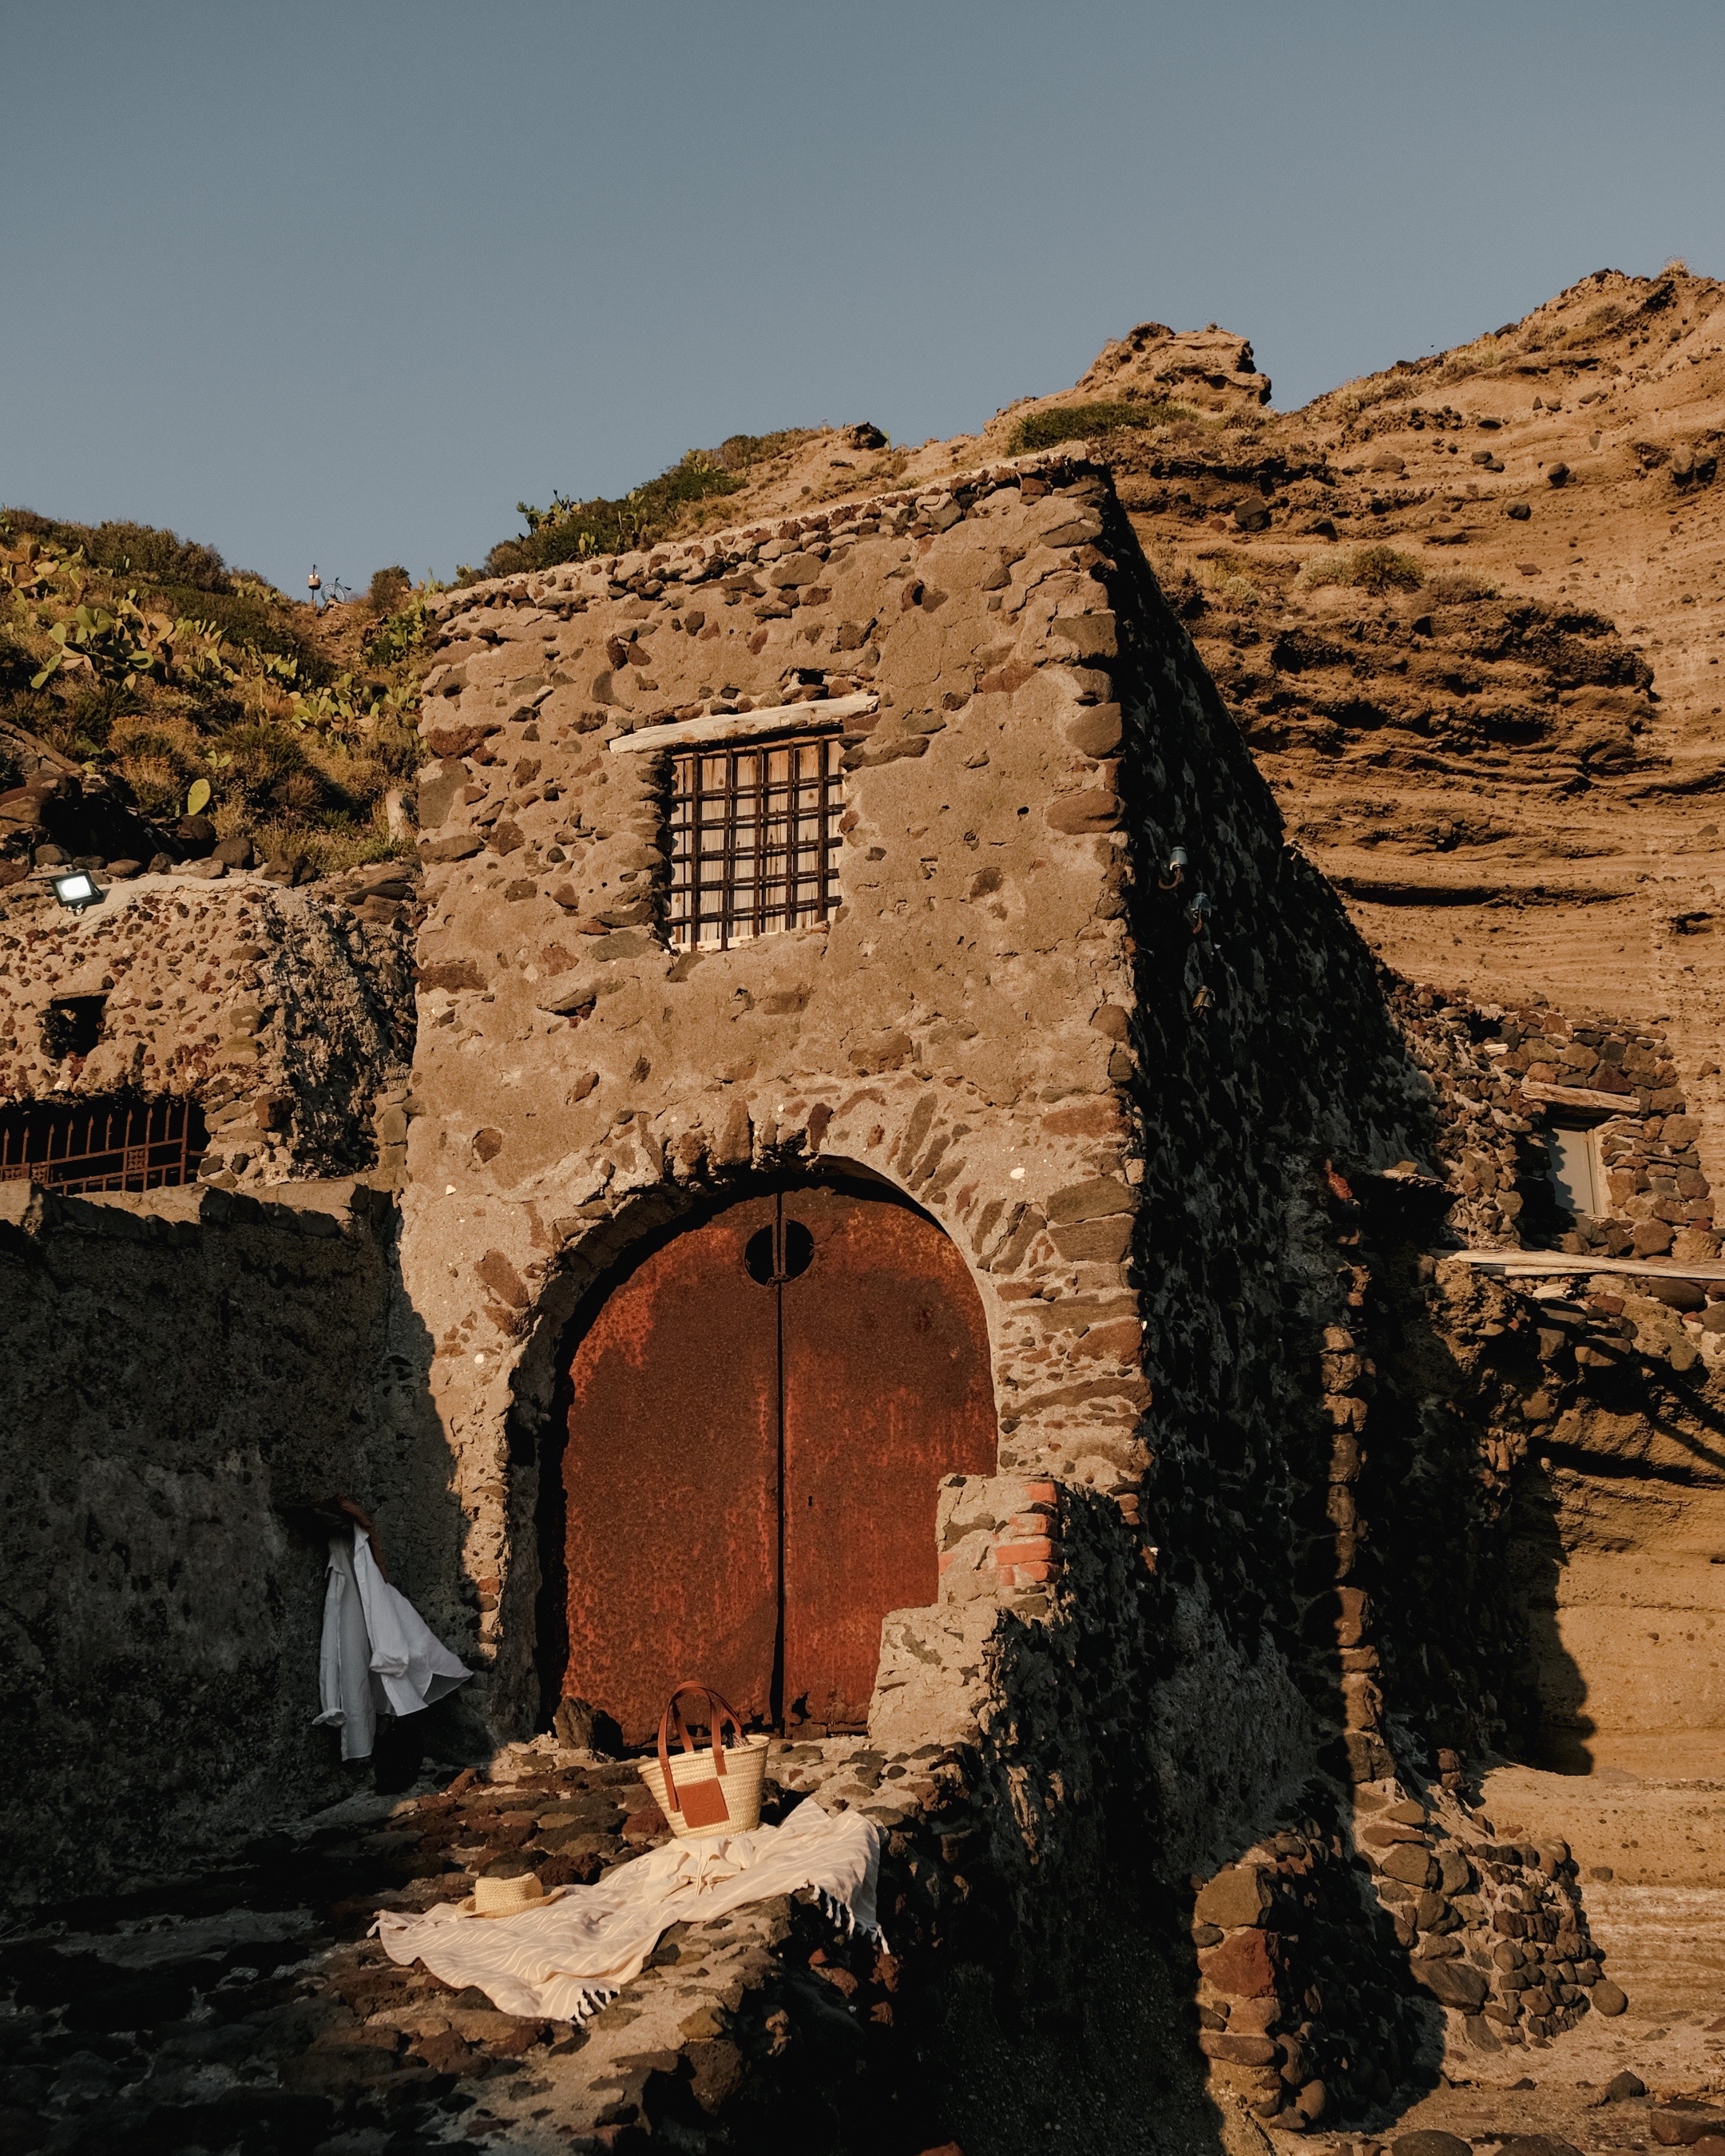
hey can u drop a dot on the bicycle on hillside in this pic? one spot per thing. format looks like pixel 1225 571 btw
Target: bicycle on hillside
pixel 333 595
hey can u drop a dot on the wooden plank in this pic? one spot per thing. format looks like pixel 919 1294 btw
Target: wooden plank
pixel 1535 1264
pixel 1582 1096
pixel 746 725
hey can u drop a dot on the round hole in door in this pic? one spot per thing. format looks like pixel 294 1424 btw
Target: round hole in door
pixel 796 1256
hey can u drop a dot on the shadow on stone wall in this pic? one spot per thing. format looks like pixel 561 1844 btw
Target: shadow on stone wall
pixel 1632 1472
pixel 180 1367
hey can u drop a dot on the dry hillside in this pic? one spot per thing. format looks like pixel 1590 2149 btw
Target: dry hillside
pixel 154 701
pixel 1467 612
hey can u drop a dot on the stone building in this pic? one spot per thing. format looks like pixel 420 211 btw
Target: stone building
pixel 910 1200
pixel 903 853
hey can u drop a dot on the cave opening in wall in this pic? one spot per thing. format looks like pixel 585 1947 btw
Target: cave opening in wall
pixel 112 1142
pixel 757 1412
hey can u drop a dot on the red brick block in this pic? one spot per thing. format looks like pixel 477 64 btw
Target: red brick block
pixel 1033 1552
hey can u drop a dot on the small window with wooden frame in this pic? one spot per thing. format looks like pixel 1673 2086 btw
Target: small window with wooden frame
pixel 1577 1169
pixel 754 838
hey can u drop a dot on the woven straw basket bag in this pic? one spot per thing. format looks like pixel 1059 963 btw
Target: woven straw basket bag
pixel 707 1792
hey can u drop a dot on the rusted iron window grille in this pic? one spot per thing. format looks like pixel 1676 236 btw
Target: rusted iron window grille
pixel 101 1145
pixel 754 840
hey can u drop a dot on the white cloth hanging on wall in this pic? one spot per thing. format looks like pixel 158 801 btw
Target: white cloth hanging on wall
pixel 377 1655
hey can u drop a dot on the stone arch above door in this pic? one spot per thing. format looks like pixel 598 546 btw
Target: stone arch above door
pixel 759 1410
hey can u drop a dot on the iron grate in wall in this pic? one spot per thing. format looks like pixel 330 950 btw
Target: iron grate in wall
pixel 100 1144
pixel 754 840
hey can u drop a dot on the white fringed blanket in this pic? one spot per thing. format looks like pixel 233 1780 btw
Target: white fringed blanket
pixel 566 1955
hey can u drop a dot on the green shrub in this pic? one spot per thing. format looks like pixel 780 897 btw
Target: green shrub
pixel 568 530
pixel 390 640
pixel 1076 423
pixel 139 551
pixel 248 620
pixel 343 842
pixel 18 663
pixel 263 768
pixel 1375 569
pixel 158 762
pixel 128 648
pixel 737 452
pixel 388 589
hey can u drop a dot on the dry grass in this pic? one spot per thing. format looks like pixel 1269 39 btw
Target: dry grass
pixel 1078 423
pixel 1375 569
pixel 299 721
pixel 1458 588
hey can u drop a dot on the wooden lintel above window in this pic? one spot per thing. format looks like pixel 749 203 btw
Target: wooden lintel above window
pixel 746 725
pixel 1577 1096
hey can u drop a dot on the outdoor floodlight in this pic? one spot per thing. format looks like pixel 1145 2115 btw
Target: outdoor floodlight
pixel 76 889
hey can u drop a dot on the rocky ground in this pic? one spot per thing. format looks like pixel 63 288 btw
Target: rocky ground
pixel 248 2008
pixel 1652 1854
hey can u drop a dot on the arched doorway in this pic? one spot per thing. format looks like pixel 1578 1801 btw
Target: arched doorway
pixel 758 1414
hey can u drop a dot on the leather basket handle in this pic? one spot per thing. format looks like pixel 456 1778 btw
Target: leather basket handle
pixel 720 1711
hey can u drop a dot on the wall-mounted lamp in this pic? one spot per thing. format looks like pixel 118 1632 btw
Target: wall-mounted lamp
pixel 1176 869
pixel 1199 912
pixel 76 889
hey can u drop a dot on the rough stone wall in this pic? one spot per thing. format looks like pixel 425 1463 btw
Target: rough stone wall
pixel 287 1014
pixel 1118 1118
pixel 179 1370
pixel 1531 1486
pixel 1119 1089
pixel 1299 1943
pixel 1615 1557
pixel 575 1079
pixel 1501 1076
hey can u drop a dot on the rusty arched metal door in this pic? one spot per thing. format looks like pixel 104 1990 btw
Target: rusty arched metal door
pixel 759 1413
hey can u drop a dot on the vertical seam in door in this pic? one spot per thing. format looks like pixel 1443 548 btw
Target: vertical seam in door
pixel 778 1705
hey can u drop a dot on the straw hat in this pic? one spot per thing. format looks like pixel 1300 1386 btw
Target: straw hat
pixel 504 1897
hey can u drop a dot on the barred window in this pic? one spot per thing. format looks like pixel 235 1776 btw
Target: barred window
pixel 100 1144
pixel 755 840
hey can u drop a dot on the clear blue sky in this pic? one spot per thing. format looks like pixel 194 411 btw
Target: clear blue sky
pixel 345 281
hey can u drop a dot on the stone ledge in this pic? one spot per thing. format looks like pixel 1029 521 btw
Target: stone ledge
pixel 312 1207
pixel 1532 1265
